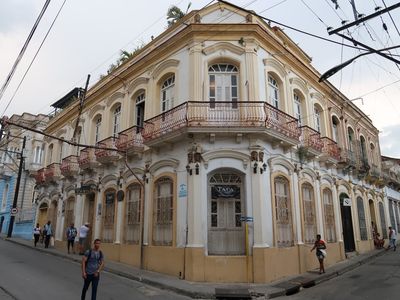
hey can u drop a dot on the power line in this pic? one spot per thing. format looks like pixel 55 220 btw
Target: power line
pixel 33 59
pixel 22 52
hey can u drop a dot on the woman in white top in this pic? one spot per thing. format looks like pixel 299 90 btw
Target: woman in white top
pixel 36 233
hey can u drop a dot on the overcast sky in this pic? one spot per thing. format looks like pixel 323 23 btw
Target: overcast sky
pixel 88 36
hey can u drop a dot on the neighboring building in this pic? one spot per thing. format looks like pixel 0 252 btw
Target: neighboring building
pixel 218 120
pixel 391 178
pixel 11 147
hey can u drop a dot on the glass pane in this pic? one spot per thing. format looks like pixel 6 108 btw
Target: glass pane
pixel 238 222
pixel 234 80
pixel 214 207
pixel 238 207
pixel 214 221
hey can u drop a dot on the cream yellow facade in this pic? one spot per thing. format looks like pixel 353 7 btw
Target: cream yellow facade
pixel 219 157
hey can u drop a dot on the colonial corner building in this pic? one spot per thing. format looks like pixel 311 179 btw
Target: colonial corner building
pixel 219 157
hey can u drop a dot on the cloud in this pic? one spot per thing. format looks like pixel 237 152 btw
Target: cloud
pixel 16 14
pixel 390 144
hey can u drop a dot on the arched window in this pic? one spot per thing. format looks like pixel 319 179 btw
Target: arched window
pixel 361 219
pixel 223 82
pixel 50 154
pixel 61 148
pixel 226 235
pixel 363 150
pixel 108 216
pixel 38 155
pixel 396 212
pixel 163 211
pixel 168 93
pixel 97 129
pixel 317 118
pixel 372 150
pixel 310 223
pixel 297 108
pixel 383 220
pixel 273 92
pixel 132 214
pixel 391 214
pixel 140 103
pixel 116 120
pixel 350 134
pixel 69 213
pixel 283 213
pixel 335 129
pixel 329 216
pixel 5 195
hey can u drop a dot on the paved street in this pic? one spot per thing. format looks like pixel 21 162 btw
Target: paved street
pixel 379 279
pixel 27 274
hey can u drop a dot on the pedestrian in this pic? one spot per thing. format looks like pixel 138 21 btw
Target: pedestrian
pixel 83 233
pixel 36 233
pixel 320 245
pixel 92 264
pixel 71 234
pixel 392 239
pixel 48 234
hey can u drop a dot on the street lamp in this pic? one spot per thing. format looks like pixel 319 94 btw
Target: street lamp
pixel 337 68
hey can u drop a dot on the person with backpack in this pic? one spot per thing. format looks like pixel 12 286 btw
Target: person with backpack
pixel 92 265
pixel 71 234
pixel 48 232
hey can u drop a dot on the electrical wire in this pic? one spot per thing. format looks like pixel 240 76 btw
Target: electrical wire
pixel 22 52
pixel 34 57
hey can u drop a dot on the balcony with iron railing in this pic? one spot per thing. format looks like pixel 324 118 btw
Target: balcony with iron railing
pixel 107 155
pixel 348 158
pixel 222 117
pixel 330 150
pixel 311 139
pixel 53 172
pixel 375 171
pixel 130 141
pixel 40 176
pixel 70 166
pixel 87 159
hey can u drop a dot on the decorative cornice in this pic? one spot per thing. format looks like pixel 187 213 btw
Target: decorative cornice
pixel 96 109
pixel 113 97
pixel 172 163
pixel 223 46
pixel 164 65
pixel 134 84
pixel 226 153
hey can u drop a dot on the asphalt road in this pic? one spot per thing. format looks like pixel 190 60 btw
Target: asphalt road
pixel 377 280
pixel 26 274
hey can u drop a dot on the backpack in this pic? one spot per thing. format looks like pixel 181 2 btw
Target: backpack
pixel 71 232
pixel 99 260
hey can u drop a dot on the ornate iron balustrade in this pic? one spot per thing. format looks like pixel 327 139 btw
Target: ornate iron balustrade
pixel 222 115
pixel 70 166
pixel 330 148
pixel 311 138
pixel 130 140
pixel 348 157
pixel 87 158
pixel 105 155
pixel 53 172
pixel 40 178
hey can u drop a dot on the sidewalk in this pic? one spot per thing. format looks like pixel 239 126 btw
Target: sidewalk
pixel 287 286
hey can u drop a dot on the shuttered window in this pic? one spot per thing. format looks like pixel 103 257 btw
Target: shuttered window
pixel 109 216
pixel 329 216
pixel 163 212
pixel 383 221
pixel 310 224
pixel 132 214
pixel 362 223
pixel 283 213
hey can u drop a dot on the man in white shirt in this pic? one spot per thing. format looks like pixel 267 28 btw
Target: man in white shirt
pixel 392 238
pixel 83 233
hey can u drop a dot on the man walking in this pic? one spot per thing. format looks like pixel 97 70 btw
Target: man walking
pixel 392 239
pixel 71 234
pixel 48 230
pixel 92 264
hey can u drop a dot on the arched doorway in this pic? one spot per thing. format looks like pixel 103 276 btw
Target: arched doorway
pixel 42 217
pixel 89 215
pixel 52 215
pixel 373 215
pixel 69 216
pixel 347 224
pixel 226 205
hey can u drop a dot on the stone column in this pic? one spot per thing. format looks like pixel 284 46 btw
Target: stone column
pixel 196 74
pixel 319 208
pixel 251 68
pixel 98 214
pixel 338 215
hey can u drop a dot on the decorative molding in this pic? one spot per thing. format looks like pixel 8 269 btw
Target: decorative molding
pixel 134 84
pixel 108 178
pixel 113 97
pixel 300 84
pixel 223 46
pixel 275 161
pixel 97 109
pixel 310 172
pixel 276 67
pixel 226 153
pixel 164 65
pixel 128 174
pixel 172 163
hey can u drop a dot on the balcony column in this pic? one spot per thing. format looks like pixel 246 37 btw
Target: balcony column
pixel 119 224
pixel 98 214
pixel 262 206
pixel 251 82
pixel 294 176
pixel 195 81
pixel 318 207
pixel 196 196
pixel 148 184
pixel 338 216
pixel 78 211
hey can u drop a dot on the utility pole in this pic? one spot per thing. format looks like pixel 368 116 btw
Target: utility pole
pixel 21 165
pixel 353 4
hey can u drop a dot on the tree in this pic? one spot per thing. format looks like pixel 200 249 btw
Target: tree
pixel 174 14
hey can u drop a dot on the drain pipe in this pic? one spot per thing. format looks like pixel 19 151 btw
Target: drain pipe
pixel 141 228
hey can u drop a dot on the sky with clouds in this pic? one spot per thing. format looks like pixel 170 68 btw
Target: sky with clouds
pixel 88 36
